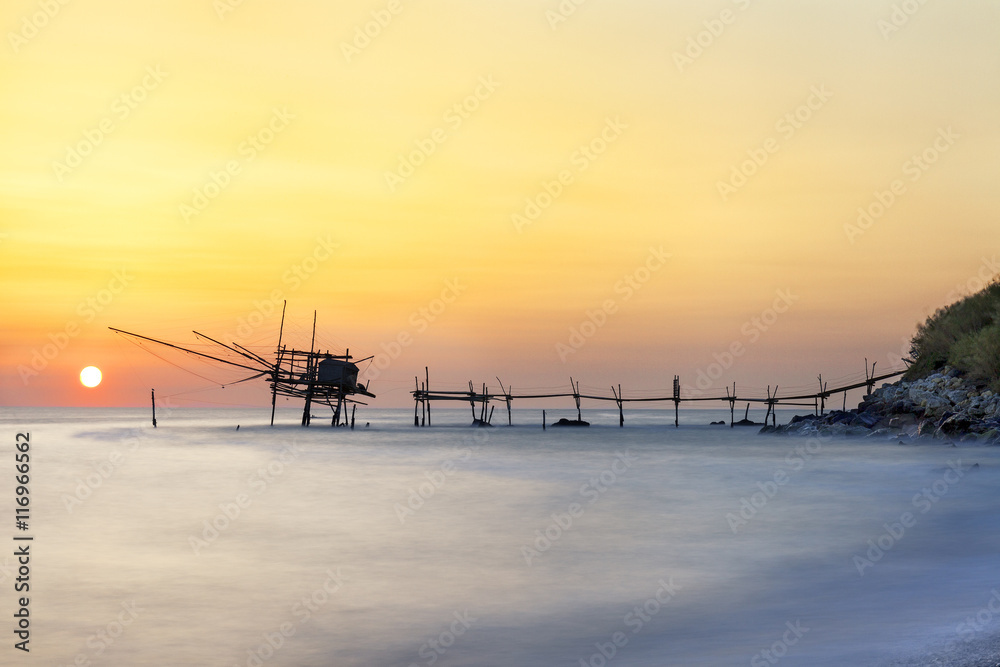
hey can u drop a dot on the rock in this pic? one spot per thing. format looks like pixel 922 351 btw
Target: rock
pixel 841 417
pixel 800 418
pixel 883 423
pixel 958 424
pixel 943 405
pixel 868 419
pixel 926 428
pixel 903 421
pixel 957 396
pixel 838 429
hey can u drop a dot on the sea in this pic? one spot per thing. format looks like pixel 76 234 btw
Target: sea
pixel 216 539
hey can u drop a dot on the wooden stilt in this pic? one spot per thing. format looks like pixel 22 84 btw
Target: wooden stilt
pixel 416 401
pixel 769 405
pixel 423 407
pixel 732 406
pixel 152 394
pixel 822 395
pixel 618 399
pixel 677 401
pixel 543 420
pixel 507 398
pixel 774 408
pixel 427 393
pixel 576 397
pixel 482 412
pixel 310 377
pixel 870 379
pixel 353 410
pixel 277 366
pixel 336 411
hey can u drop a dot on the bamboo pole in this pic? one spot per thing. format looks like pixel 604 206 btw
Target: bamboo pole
pixel 277 366
pixel 472 400
pixel 618 400
pixel 416 401
pixel 677 401
pixel 306 417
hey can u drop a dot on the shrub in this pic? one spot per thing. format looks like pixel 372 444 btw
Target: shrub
pixel 965 335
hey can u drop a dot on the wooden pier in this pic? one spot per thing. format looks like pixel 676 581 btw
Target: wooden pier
pixel 482 410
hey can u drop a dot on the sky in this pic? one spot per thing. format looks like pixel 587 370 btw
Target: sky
pixel 738 190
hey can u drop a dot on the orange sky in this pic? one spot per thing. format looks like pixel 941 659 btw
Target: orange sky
pixel 668 170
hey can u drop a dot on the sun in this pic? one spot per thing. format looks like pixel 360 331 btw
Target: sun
pixel 90 376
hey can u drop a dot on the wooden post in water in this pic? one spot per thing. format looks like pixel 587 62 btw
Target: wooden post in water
pixel 732 406
pixel 152 394
pixel 576 397
pixel 506 395
pixel 482 412
pixel 277 366
pixel 427 393
pixel 543 420
pixel 774 411
pixel 416 401
pixel 677 401
pixel 310 373
pixel 353 410
pixel 618 400
pixel 423 407
pixel 769 405
pixel 336 411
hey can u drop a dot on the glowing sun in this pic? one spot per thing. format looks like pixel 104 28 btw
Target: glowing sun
pixel 90 376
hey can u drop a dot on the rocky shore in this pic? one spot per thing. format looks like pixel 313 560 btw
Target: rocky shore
pixel 942 407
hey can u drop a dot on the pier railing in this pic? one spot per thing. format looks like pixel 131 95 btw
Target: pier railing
pixel 481 400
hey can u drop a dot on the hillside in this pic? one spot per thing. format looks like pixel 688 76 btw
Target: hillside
pixel 950 392
pixel 965 336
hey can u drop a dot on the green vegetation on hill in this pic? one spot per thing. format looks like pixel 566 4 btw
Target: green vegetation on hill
pixel 965 336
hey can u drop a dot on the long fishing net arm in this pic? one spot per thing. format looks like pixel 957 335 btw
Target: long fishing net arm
pixel 256 369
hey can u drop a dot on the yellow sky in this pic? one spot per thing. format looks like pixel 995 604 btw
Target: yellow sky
pixel 174 165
